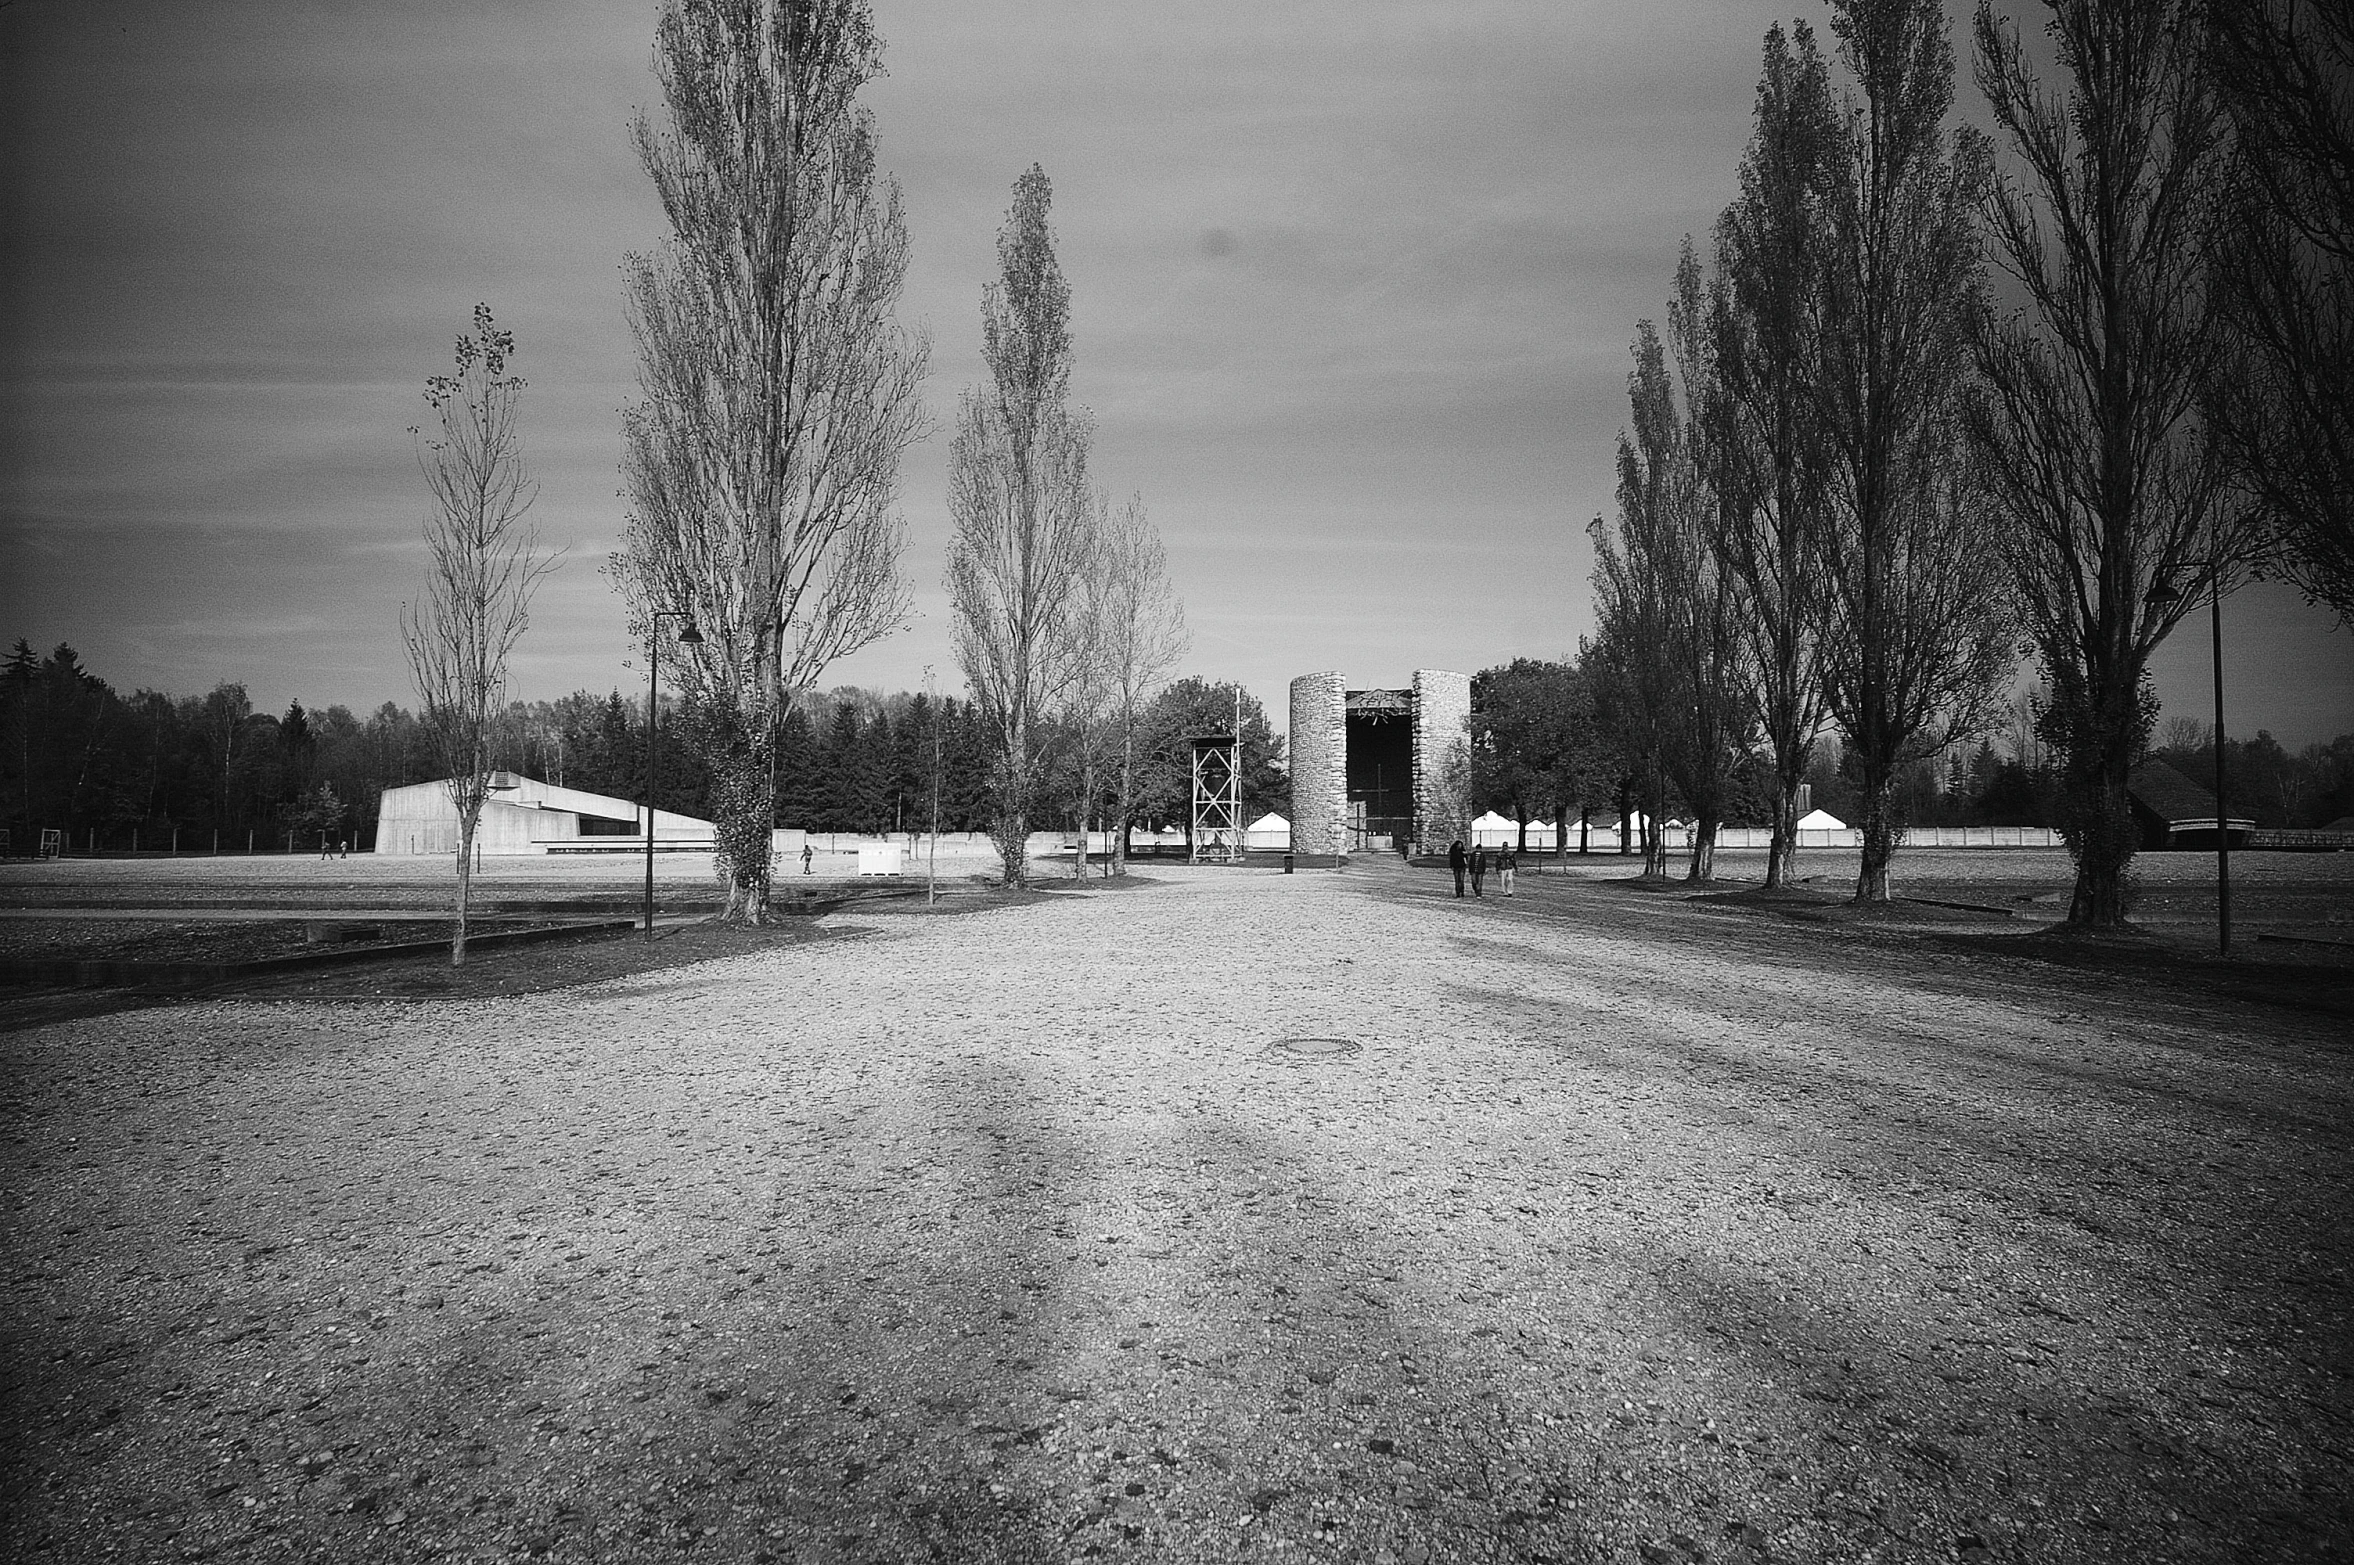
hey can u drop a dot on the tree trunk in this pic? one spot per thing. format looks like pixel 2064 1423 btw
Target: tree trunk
pixel 1782 850
pixel 1880 831
pixel 1119 847
pixel 2103 834
pixel 743 817
pixel 1011 829
pixel 1702 868
pixel 1654 830
pixel 1585 830
pixel 466 828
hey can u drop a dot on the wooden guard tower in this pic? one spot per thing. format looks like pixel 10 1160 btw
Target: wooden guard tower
pixel 1217 799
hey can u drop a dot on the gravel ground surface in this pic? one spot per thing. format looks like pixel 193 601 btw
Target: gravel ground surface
pixel 1605 1224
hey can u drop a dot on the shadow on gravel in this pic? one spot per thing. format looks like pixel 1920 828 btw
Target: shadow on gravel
pixel 2210 1211
pixel 22 1010
pixel 917 1398
pixel 1995 1434
pixel 1941 1099
pixel 2290 981
pixel 1954 950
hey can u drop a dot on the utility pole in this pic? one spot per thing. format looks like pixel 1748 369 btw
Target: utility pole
pixel 691 637
pixel 932 857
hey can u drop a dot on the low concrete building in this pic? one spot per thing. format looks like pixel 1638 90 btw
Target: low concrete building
pixel 2175 812
pixel 525 815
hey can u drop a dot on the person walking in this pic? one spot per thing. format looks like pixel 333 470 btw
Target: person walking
pixel 1455 862
pixel 807 853
pixel 1504 865
pixel 1479 869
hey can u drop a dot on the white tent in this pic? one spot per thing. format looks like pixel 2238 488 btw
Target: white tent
pixel 1821 820
pixel 1493 831
pixel 1268 831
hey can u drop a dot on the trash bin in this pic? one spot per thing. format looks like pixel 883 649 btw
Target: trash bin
pixel 1287 863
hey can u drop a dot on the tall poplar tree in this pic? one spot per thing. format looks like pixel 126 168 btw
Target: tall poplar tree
pixel 2285 402
pixel 779 391
pixel 1668 654
pixel 2089 427
pixel 483 567
pixel 1025 514
pixel 1914 635
pixel 1767 450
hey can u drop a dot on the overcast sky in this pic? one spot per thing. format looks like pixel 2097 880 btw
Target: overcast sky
pixel 1353 285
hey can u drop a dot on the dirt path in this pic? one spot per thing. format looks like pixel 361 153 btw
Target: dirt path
pixel 1631 1229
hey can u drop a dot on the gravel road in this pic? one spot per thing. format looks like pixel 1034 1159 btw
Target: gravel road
pixel 1608 1226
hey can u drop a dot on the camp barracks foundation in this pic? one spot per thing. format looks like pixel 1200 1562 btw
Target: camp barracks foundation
pixel 1366 764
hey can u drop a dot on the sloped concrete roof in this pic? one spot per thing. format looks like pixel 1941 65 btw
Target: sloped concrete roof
pixel 2174 798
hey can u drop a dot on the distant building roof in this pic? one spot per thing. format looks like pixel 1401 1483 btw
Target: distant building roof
pixel 2175 799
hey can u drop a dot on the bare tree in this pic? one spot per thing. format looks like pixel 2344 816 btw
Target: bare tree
pixel 1767 456
pixel 2285 69
pixel 1668 615
pixel 1084 713
pixel 483 567
pixel 1140 638
pixel 2089 424
pixel 1024 510
pixel 1629 706
pixel 1717 672
pixel 779 391
pixel 1914 635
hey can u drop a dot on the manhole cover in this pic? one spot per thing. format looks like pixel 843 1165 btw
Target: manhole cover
pixel 1316 1048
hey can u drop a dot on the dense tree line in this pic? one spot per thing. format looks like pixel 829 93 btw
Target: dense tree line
pixel 1859 480
pixel 80 757
pixel 1544 744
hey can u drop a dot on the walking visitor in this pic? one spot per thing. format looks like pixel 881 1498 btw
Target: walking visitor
pixel 1479 870
pixel 1455 863
pixel 1504 864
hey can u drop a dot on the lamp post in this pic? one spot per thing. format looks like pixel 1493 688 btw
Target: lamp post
pixel 932 853
pixel 2166 592
pixel 688 636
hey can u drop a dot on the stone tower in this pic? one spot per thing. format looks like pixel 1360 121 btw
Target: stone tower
pixel 1442 700
pixel 1319 764
pixel 1329 785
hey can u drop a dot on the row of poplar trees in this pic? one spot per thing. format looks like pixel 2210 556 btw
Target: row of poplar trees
pixel 1933 402
pixel 778 395
pixel 1063 613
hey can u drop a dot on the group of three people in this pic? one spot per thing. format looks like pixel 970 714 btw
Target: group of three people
pixel 1476 863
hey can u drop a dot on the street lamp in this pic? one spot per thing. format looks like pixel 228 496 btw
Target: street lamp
pixel 688 635
pixel 2163 593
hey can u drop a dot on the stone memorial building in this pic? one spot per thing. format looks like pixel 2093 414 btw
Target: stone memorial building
pixel 1365 764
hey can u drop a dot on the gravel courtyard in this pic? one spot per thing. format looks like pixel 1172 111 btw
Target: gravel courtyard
pixel 1610 1225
